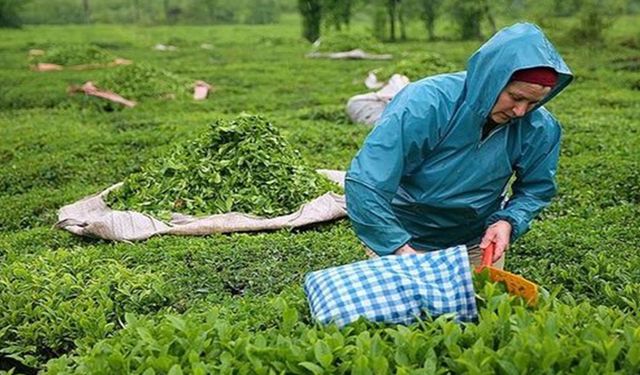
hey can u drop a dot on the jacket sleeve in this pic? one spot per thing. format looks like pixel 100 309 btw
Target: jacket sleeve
pixel 535 182
pixel 396 146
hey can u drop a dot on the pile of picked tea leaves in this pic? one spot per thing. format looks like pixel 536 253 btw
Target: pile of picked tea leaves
pixel 242 165
pixel 342 42
pixel 139 81
pixel 74 54
pixel 418 66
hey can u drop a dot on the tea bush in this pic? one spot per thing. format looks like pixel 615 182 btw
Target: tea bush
pixel 74 54
pixel 142 81
pixel 592 256
pixel 58 300
pixel 19 90
pixel 508 338
pixel 344 41
pixel 417 66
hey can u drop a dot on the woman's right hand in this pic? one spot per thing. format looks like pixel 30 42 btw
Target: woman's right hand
pixel 406 250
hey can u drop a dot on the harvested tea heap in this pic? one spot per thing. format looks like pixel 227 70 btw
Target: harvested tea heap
pixel 340 42
pixel 139 81
pixel 242 165
pixel 418 66
pixel 74 54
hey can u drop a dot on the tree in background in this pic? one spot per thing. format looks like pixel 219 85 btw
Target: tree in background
pixel 401 11
pixel 468 15
pixel 396 12
pixel 210 6
pixel 430 11
pixel 392 14
pixel 388 15
pixel 489 9
pixel 136 10
pixel 311 11
pixel 171 12
pixel 379 22
pixel 212 11
pixel 87 11
pixel 263 12
pixel 337 13
pixel 543 11
pixel 54 12
pixel 206 8
pixel 594 18
pixel 9 13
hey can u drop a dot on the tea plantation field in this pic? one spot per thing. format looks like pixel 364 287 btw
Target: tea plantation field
pixel 234 303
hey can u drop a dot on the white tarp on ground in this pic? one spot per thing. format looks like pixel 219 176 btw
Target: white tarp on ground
pixel 88 88
pixel 367 108
pixel 48 67
pixel 355 54
pixel 201 90
pixel 92 217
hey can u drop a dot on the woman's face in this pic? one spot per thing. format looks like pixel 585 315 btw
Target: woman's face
pixel 516 100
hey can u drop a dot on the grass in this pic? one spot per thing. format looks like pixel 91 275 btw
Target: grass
pixel 56 149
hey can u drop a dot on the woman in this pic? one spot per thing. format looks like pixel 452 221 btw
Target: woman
pixel 433 172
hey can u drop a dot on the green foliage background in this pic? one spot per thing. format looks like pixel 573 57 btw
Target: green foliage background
pixel 217 303
pixel 150 12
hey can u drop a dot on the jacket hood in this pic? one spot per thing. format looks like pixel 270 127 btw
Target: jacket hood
pixel 513 48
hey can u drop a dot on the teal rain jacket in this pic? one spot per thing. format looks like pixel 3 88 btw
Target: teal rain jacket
pixel 425 177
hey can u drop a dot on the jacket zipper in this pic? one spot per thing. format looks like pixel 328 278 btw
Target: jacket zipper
pixel 494 131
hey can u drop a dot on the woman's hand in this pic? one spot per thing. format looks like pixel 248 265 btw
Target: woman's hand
pixel 406 250
pixel 500 234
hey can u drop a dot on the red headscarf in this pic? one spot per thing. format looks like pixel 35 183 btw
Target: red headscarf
pixel 541 75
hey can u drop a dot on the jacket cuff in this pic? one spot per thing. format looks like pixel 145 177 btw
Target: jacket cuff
pixel 386 245
pixel 516 230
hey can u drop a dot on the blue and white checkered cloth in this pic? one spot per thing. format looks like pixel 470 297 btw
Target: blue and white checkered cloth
pixel 394 289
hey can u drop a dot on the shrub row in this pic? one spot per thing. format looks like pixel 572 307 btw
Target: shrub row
pixel 509 338
pixel 56 301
